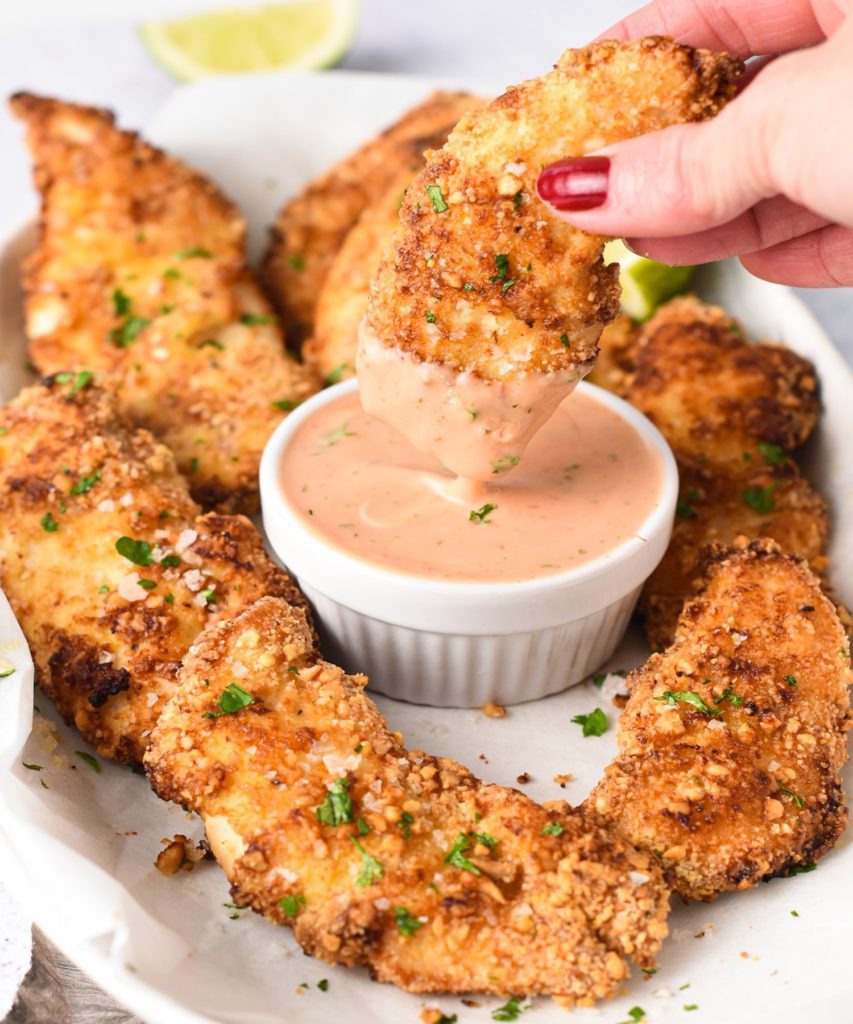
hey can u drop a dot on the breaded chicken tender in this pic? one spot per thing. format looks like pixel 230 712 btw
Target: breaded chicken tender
pixel 512 289
pixel 381 856
pixel 107 563
pixel 714 395
pixel 764 501
pixel 616 346
pixel 312 226
pixel 140 275
pixel 732 741
pixel 731 411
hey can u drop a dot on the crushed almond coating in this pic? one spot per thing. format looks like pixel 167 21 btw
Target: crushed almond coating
pixel 491 710
pixel 730 798
pixel 140 275
pixel 312 226
pixel 513 910
pixel 106 649
pixel 179 854
pixel 553 283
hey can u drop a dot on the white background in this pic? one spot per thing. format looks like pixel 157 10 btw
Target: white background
pixel 89 50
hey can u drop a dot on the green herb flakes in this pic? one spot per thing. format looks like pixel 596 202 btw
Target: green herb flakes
pixel 407 923
pixel 85 484
pixel 511 1010
pixel 212 343
pixel 291 904
pixel 336 809
pixel 136 551
pixel 233 698
pixel 729 695
pixel 48 523
pixel 286 404
pixel 196 252
pixel 673 697
pixel 91 761
pixel 337 373
pixel 593 724
pixel 256 319
pixel 760 499
pixel 791 680
pixel 430 316
pixel 126 334
pixel 147 584
pixel 553 829
pixel 773 454
pixel 684 510
pixel 802 869
pixel 371 869
pixel 405 824
pixel 517 199
pixel 296 262
pixel 502 264
pixel 481 515
pixel 504 464
pixel 436 198
pixel 121 303
pixel 798 800
pixel 456 857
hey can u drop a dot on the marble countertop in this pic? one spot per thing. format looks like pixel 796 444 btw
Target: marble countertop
pixel 90 51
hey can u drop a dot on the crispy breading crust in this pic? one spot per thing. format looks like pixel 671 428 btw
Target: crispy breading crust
pixel 718 399
pixel 73 479
pixel 614 365
pixel 312 227
pixel 715 395
pixel 732 798
pixel 532 912
pixel 140 275
pixel 545 308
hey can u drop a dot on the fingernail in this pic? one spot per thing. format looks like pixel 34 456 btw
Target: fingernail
pixel 579 184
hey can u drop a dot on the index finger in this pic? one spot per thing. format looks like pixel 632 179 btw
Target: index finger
pixel 743 27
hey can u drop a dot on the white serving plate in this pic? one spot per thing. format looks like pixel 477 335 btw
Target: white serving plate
pixel 80 853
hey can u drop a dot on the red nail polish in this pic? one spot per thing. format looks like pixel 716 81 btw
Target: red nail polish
pixel 579 184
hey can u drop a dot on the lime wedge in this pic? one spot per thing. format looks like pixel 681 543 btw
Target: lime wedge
pixel 304 34
pixel 645 284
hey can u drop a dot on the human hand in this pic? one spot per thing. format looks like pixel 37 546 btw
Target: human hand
pixel 770 179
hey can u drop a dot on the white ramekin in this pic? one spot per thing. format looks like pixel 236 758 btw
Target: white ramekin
pixel 453 644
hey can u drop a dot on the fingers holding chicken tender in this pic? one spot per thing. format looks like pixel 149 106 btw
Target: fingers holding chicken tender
pixel 140 275
pixel 385 857
pixel 312 226
pixel 733 739
pixel 109 568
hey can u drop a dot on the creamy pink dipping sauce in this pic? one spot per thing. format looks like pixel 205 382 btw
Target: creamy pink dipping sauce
pixel 585 485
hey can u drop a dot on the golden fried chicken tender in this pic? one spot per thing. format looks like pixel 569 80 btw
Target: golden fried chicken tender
pixel 479 277
pixel 615 364
pixel 767 501
pixel 381 856
pixel 732 741
pixel 312 227
pixel 107 627
pixel 140 275
pixel 714 395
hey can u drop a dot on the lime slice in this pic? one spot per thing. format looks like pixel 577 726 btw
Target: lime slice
pixel 305 34
pixel 645 284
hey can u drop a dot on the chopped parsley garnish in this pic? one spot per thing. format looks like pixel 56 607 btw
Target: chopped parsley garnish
pixel 196 252
pixel 672 697
pixel 507 285
pixel 798 800
pixel 371 869
pixel 517 199
pixel 297 262
pixel 793 912
pixel 80 380
pixel 33 767
pixel 598 679
pixel 791 680
pixel 170 561
pixel 436 198
pixel 407 923
pixel 481 515
pixel 802 869
pixel 593 724
pixel 336 809
pixel 286 404
pixel 691 1006
pixel 256 319
pixel 136 551
pixel 104 588
pixel 127 333
pixel 564 340
pixel 338 434
pixel 362 826
pixel 430 316
pixel 147 584
pixel 405 824
pixel 291 904
pixel 233 698
pixel 760 499
pixel 502 263
pixel 85 483
pixel 212 343
pixel 121 302
pixel 504 464
pixel 553 829
pixel 208 594
pixel 194 464
pixel 462 844
pixel 684 510
pixel 169 598
pixel 91 761
pixel 337 373
pixel 511 1009
pixel 729 695
pixel 468 287
pixel 636 1013
pixel 473 413
pixel 773 454
pixel 49 523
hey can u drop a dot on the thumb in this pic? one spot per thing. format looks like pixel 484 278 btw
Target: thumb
pixel 676 181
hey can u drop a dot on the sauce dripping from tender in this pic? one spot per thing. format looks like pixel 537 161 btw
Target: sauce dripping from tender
pixel 587 482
